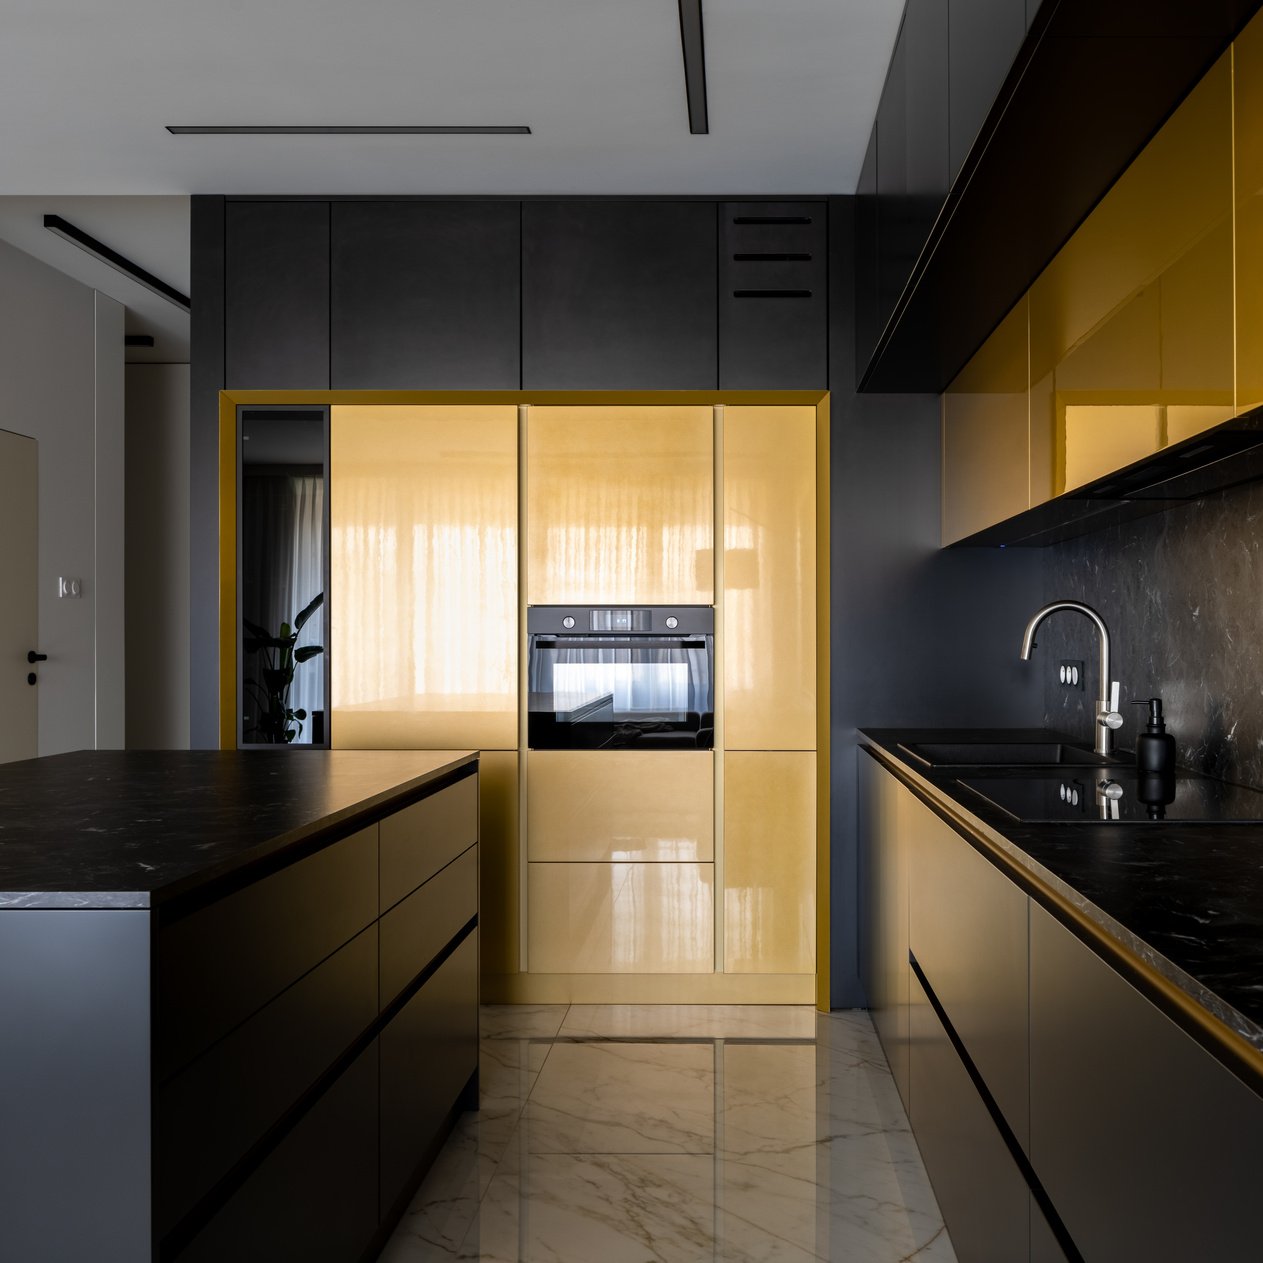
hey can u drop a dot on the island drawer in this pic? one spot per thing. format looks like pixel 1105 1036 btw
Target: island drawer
pixel 213 1111
pixel 428 1053
pixel 314 1197
pixel 423 838
pixel 414 931
pixel 223 962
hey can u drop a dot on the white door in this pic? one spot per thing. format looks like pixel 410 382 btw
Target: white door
pixel 19 620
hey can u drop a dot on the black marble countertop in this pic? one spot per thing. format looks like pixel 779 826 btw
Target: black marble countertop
pixel 133 829
pixel 1185 898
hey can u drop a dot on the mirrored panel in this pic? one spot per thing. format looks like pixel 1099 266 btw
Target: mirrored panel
pixel 282 541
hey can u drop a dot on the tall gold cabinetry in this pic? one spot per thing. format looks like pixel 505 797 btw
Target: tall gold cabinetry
pixel 1128 333
pixel 619 506
pixel 1248 169
pixel 424 607
pixel 767 719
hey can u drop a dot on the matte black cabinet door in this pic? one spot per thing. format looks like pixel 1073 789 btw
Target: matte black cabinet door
pixel 276 296
pixel 868 324
pixel 619 296
pixel 925 32
pixel 425 296
pixel 983 39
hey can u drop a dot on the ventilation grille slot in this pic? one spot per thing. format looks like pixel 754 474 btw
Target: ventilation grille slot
pixel 771 258
pixel 771 293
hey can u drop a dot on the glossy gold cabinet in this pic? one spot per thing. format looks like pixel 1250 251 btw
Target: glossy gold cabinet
pixel 1127 336
pixel 619 505
pixel 423 597
pixel 620 918
pixel 621 805
pixel 769 862
pixel 986 433
pixel 769 578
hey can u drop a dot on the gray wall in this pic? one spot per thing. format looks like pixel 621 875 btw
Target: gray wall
pixel 920 636
pixel 1181 593
pixel 61 365
pixel 157 421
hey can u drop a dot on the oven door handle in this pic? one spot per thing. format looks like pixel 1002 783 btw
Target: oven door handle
pixel 638 642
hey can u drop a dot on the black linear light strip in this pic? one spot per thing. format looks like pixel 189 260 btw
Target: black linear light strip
pixel 99 250
pixel 694 65
pixel 350 131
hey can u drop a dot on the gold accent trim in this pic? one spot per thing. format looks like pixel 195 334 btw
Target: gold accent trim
pixel 823 709
pixel 715 988
pixel 523 683
pixel 1231 1049
pixel 717 678
pixel 227 572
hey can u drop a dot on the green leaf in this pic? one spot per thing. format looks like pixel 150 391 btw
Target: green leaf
pixel 307 651
pixel 308 610
pixel 285 632
pixel 300 714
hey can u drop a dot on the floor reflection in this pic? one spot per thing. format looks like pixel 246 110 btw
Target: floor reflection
pixel 677 1134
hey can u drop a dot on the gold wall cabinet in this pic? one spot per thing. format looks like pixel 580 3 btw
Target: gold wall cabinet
pixel 1129 330
pixel 769 862
pixel 619 505
pixel 769 592
pixel 621 805
pixel 985 438
pixel 423 599
pixel 620 918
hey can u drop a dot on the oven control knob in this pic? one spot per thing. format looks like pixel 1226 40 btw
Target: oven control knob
pixel 568 621
pixel 673 621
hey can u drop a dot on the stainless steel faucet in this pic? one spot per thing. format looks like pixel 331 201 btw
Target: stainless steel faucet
pixel 1107 717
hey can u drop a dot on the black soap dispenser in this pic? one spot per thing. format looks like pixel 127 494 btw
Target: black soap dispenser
pixel 1155 747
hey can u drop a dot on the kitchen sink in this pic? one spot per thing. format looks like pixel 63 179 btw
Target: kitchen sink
pixel 1003 754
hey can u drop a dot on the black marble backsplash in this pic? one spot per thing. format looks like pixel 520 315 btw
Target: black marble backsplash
pixel 1182 594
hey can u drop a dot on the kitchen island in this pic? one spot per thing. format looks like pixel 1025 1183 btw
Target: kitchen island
pixel 239 996
pixel 1074 1005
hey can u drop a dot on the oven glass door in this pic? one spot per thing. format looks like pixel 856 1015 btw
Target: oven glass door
pixel 621 692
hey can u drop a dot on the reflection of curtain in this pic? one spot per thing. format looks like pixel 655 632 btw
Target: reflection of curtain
pixel 639 679
pixel 282 518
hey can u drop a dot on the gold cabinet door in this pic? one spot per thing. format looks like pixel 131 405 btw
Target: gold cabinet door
pixel 770 862
pixel 620 805
pixel 423 593
pixel 620 918
pixel 620 506
pixel 769 579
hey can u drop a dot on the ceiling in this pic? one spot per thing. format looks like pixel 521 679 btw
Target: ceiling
pixel 87 89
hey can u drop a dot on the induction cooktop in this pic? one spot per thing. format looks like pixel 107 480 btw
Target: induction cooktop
pixel 1087 795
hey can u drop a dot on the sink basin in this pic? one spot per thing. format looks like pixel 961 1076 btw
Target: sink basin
pixel 1003 754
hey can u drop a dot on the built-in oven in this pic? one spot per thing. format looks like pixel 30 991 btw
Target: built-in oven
pixel 618 678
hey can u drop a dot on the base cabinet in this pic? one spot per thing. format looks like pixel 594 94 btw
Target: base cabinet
pixel 983 1196
pixel 1148 1147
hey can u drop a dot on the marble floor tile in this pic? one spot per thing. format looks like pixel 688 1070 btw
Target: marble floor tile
pixel 682 1021
pixel 521 1021
pixel 591 1150
pixel 624 1098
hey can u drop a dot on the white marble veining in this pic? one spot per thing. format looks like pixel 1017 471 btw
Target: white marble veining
pixel 596 1144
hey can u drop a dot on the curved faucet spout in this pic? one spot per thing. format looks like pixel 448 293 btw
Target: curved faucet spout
pixel 1107 717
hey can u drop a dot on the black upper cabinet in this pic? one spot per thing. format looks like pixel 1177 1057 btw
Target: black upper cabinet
pixel 925 34
pixel 773 301
pixel 619 296
pixel 868 327
pixel 425 295
pixel 982 41
pixel 276 296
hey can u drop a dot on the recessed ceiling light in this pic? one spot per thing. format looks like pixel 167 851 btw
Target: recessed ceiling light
pixel 349 131
pixel 120 263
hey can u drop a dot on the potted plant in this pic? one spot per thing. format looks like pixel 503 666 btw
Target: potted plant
pixel 279 724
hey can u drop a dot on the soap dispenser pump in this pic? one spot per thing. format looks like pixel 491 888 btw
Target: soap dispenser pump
pixel 1155 747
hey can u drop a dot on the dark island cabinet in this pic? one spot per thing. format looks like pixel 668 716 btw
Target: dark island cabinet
pixel 773 299
pixel 619 295
pixel 425 295
pixel 276 296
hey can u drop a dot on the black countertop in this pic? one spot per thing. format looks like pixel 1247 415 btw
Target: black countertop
pixel 1184 898
pixel 133 829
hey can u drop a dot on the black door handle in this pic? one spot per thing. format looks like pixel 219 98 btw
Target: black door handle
pixel 32 656
pixel 31 677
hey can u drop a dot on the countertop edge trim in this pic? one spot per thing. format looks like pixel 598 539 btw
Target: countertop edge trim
pixel 1231 1050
